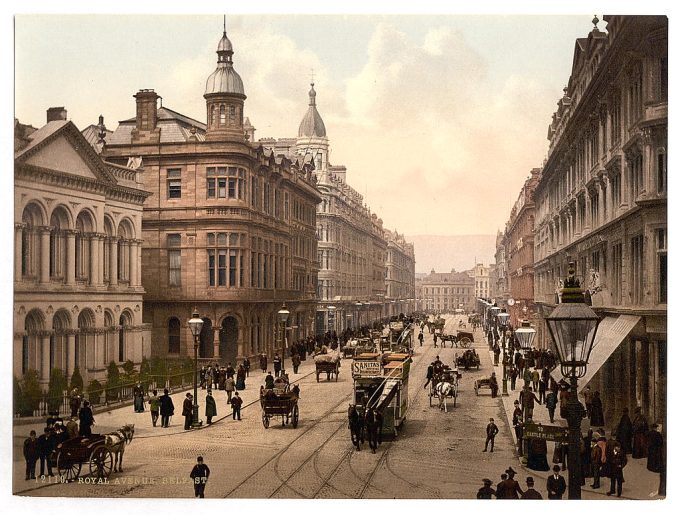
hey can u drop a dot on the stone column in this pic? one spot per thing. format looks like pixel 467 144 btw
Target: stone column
pixel 45 358
pixel 45 254
pixel 101 241
pixel 133 262
pixel 70 353
pixel 216 342
pixel 18 250
pixel 94 259
pixel 113 261
pixel 609 200
pixel 138 282
pixel 70 257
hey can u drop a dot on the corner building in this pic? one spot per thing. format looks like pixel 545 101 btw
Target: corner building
pixel 229 230
pixel 601 203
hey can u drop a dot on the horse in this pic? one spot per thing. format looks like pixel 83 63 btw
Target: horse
pixel 373 424
pixel 442 391
pixel 116 442
pixel 356 426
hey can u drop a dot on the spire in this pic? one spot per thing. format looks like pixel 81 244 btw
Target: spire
pixel 595 21
pixel 312 95
pixel 312 125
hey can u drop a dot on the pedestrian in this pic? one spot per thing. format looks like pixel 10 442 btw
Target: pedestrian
pixel 493 384
pixel 236 403
pixel 430 374
pixel 640 429
pixel 187 410
pixel 277 364
pixel 45 445
pixel 200 474
pixel 486 491
pixel 588 400
pixel 72 427
pixel 296 362
pixel 527 398
pixel 138 396
pixel 512 490
pixel 530 493
pixel 74 402
pixel 31 454
pixel 556 485
pixel 210 407
pixel 624 432
pixel 229 387
pixel 263 362
pixel 491 432
pixel 551 404
pixel 596 411
pixel 496 353
pixel 241 378
pixel 269 381
pixel 542 389
pixel 656 459
pixel 420 337
pixel 518 425
pixel 500 487
pixel 167 408
pixel 535 378
pixel 154 406
pixel 598 458
pixel 435 339
pixel 617 462
pixel 513 376
pixel 86 419
pixel 246 366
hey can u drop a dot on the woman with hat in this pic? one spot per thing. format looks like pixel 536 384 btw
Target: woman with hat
pixel 486 491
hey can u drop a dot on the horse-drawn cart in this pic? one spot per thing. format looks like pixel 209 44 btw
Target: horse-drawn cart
pixel 445 384
pixel 327 363
pixel 468 360
pixel 284 405
pixel 465 339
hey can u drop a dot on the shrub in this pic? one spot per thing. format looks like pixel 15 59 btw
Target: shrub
pixel 55 391
pixel 76 380
pixel 32 393
pixel 94 391
pixel 112 382
pixel 18 397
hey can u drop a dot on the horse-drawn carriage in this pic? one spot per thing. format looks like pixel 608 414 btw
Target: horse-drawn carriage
pixel 328 363
pixel 464 338
pixel 485 382
pixel 358 346
pixel 444 385
pixel 280 403
pixel 101 454
pixel 468 360
pixel 443 338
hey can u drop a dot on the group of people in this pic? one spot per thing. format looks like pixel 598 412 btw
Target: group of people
pixel 509 487
pixel 225 378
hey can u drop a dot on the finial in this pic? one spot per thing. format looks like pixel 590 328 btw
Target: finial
pixel 224 23
pixel 595 21
pixel 102 130
pixel 312 83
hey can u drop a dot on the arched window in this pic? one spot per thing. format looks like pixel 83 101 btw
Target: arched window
pixel 213 116
pixel 223 115
pixel 174 327
pixel 232 115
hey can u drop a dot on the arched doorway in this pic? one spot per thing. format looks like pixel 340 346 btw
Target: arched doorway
pixel 205 346
pixel 229 340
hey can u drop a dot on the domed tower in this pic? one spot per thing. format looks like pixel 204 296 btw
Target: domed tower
pixel 312 135
pixel 224 97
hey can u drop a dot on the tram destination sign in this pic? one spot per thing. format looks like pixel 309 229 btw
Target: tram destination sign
pixel 550 433
pixel 361 368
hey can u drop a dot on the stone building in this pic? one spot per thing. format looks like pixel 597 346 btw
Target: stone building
pixel 230 229
pixel 480 274
pixel 401 273
pixel 77 252
pixel 601 204
pixel 501 285
pixel 444 292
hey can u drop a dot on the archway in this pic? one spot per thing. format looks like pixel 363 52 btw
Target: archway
pixel 206 339
pixel 229 340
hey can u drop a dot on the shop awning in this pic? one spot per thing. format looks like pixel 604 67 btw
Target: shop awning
pixel 610 334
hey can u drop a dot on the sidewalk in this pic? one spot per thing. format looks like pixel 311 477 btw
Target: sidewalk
pixel 638 484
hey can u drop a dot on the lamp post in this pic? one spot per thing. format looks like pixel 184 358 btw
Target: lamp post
pixel 195 325
pixel 525 336
pixel 493 321
pixel 572 326
pixel 503 322
pixel 283 318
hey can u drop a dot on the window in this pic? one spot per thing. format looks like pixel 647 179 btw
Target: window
pixel 661 171
pixel 617 267
pixel 174 327
pixel 662 260
pixel 225 262
pixel 223 115
pixel 616 119
pixel 636 279
pixel 616 192
pixel 174 183
pixel 594 208
pixel 636 177
pixel 225 182
pixel 174 241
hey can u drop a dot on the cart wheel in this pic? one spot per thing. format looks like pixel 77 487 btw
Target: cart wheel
pixel 296 416
pixel 68 470
pixel 265 421
pixel 101 463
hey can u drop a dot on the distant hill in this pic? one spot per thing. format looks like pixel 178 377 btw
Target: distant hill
pixel 446 252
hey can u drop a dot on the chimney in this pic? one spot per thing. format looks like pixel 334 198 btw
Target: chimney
pixel 55 114
pixel 147 115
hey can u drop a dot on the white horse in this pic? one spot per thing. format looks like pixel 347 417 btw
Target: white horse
pixel 442 391
pixel 116 442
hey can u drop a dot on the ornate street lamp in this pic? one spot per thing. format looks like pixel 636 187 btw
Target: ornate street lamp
pixel 195 325
pixel 283 318
pixel 525 336
pixel 572 326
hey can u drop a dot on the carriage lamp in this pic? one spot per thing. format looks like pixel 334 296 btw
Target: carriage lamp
pixel 195 325
pixel 572 326
pixel 283 318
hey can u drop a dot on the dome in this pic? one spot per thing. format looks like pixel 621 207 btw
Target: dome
pixel 312 125
pixel 224 79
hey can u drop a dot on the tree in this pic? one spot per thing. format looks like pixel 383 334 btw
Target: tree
pixel 112 381
pixel 32 393
pixel 76 380
pixel 55 391
pixel 94 391
pixel 18 397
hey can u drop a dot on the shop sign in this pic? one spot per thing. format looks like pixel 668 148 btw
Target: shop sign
pixel 361 368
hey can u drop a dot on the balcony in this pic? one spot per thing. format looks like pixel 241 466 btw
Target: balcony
pixel 654 113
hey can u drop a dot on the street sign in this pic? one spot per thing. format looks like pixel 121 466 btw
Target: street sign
pixel 361 368
pixel 550 433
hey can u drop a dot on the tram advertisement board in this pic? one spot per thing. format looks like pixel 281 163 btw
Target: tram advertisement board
pixel 365 368
pixel 551 433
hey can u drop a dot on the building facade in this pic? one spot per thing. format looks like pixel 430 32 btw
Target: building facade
pixel 230 228
pixel 501 285
pixel 446 292
pixel 480 274
pixel 400 276
pixel 77 253
pixel 601 204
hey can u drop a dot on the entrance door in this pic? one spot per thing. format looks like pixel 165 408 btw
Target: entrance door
pixel 205 348
pixel 229 341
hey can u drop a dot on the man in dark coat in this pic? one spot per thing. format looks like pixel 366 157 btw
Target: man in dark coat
pixel 530 493
pixel 187 411
pixel 210 407
pixel 167 408
pixel 556 485
pixel 656 459
pixel 491 432
pixel 551 404
pixel 236 403
pixel 527 398
pixel 75 402
pixel 624 432
pixel 296 362
pixel 486 491
pixel 596 411
pixel 510 488
pixel 430 374
pixel 138 396
pixel 640 429
pixel 86 419
pixel 45 446
pixel 31 454
pixel 277 364
pixel 269 381
pixel 493 385
pixel 199 475
pixel 500 487
pixel 263 362
pixel 230 371
pixel 616 462
pixel 246 365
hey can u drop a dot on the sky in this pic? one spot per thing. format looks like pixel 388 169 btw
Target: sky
pixel 430 113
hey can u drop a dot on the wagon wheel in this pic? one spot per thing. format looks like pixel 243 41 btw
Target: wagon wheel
pixel 101 463
pixel 296 416
pixel 68 469
pixel 265 420
pixel 465 342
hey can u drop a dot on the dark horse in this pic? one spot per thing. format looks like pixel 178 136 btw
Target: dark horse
pixel 356 426
pixel 373 424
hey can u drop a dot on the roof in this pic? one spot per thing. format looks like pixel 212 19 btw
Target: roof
pixel 312 125
pixel 175 128
pixel 91 134
pixel 40 135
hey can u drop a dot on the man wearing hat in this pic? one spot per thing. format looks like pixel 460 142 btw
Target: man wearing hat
pixel 491 432
pixel 187 410
pixel 200 474
pixel 556 485
pixel 511 488
pixel 530 493
pixel 486 491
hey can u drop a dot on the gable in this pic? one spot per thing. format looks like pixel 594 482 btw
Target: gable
pixel 60 155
